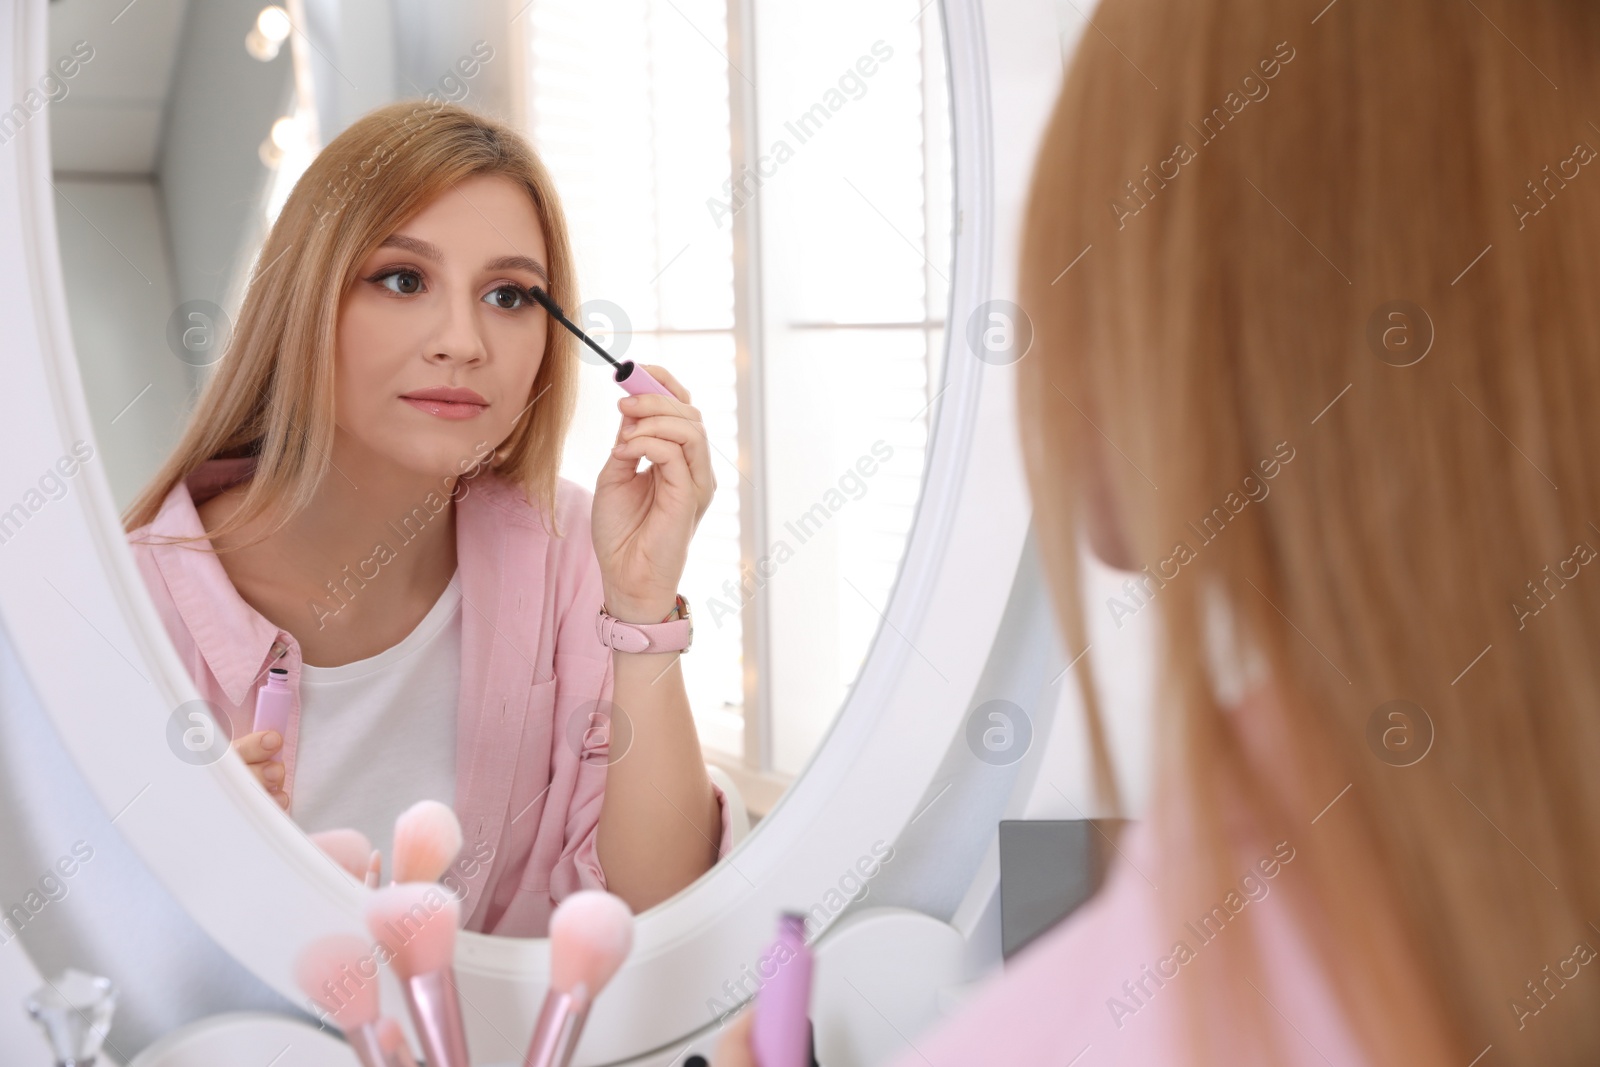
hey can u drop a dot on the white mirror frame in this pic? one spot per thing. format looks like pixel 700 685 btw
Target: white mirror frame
pixel 255 884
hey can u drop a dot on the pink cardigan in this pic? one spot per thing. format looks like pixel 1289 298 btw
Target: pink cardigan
pixel 532 669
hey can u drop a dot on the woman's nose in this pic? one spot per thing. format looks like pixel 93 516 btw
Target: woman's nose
pixel 459 336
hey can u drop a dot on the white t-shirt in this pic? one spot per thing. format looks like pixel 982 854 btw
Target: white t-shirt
pixel 379 734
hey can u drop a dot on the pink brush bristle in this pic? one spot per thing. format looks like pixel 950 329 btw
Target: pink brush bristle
pixel 390 1036
pixel 591 933
pixel 416 924
pixel 393 1042
pixel 350 849
pixel 427 839
pixel 340 975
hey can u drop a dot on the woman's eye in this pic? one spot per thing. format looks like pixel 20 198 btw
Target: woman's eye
pixel 507 298
pixel 412 283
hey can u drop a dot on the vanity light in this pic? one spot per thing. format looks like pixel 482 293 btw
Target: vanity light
pixel 268 34
pixel 286 134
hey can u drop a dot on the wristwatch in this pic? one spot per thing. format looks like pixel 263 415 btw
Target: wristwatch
pixel 672 634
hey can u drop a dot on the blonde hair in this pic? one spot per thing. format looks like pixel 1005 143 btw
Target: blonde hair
pixel 1265 257
pixel 272 396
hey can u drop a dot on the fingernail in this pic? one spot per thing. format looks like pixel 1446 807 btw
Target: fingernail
pixel 271 740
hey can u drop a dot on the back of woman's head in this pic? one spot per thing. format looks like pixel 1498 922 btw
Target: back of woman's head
pixel 1363 238
pixel 271 395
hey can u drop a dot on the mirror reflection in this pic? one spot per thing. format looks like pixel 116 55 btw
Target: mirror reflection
pixel 520 408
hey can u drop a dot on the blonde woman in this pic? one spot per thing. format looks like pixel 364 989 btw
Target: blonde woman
pixel 1323 386
pixel 367 497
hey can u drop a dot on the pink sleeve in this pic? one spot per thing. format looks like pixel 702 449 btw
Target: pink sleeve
pixel 583 723
pixel 584 679
pixel 725 844
pixel 579 866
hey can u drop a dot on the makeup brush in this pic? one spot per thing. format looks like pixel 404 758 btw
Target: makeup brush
pixel 633 379
pixel 396 1053
pixel 416 923
pixel 591 933
pixel 427 839
pixel 350 849
pixel 334 972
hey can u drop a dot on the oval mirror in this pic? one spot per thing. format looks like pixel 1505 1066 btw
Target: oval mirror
pixel 760 200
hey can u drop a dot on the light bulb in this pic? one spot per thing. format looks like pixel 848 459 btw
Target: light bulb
pixel 259 47
pixel 286 133
pixel 274 24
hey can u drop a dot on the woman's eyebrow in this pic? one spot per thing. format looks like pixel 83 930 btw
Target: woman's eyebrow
pixel 425 249
pixel 532 266
pixel 429 250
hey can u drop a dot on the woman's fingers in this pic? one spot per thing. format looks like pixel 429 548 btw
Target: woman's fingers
pixel 690 436
pixel 734 1048
pixel 270 775
pixel 668 455
pixel 669 419
pixel 664 376
pixel 656 404
pixel 258 747
pixel 257 750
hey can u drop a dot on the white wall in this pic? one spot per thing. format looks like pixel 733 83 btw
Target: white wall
pixel 118 270
pixel 221 106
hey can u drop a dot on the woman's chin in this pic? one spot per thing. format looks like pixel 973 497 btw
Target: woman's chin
pixel 435 465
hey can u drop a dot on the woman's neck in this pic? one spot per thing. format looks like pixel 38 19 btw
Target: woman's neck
pixel 354 571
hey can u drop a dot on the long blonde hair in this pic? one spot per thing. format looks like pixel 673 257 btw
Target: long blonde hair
pixel 1369 234
pixel 271 396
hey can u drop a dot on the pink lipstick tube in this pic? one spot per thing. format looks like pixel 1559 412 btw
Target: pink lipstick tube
pixel 781 1033
pixel 272 705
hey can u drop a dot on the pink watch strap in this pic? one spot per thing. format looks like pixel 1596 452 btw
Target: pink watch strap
pixel 671 636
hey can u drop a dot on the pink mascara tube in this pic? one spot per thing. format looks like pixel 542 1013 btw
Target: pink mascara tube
pixel 781 1033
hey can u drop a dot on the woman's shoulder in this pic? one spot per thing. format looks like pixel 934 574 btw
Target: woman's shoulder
pixel 519 504
pixel 1115 975
pixel 177 517
pixel 567 548
pixel 1053 993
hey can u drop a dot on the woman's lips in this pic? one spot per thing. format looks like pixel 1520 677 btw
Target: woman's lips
pixel 445 409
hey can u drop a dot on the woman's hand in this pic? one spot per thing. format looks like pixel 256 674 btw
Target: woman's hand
pixel 643 520
pixel 257 750
pixel 734 1048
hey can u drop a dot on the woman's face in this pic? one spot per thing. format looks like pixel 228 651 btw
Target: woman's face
pixel 437 305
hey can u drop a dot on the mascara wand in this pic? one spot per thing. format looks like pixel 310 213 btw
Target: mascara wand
pixel 633 379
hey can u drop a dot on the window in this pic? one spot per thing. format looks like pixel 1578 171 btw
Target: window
pixel 759 198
